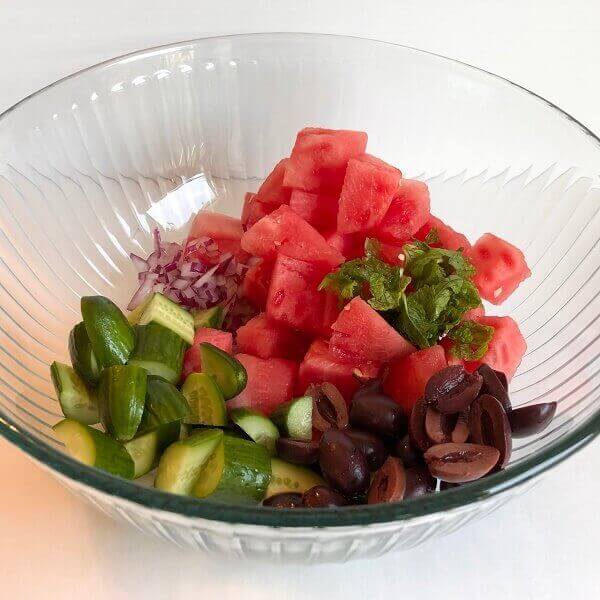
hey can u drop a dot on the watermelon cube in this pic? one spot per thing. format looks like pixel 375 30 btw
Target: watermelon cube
pixel 216 337
pixel 320 210
pixel 361 336
pixel 408 212
pixel 369 186
pixel 267 338
pixel 254 210
pixel 284 232
pixel 319 158
pixel 391 254
pixel 271 382
pixel 272 190
pixel 406 379
pixel 449 239
pixel 257 280
pixel 351 245
pixel 500 267
pixel 226 232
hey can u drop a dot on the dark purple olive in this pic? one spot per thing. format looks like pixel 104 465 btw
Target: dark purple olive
pixel 375 386
pixel 444 485
pixel 418 482
pixel 529 420
pixel 370 445
pixel 452 389
pixel 322 496
pixel 416 426
pixel 459 463
pixel 389 483
pixel 284 500
pixel 297 451
pixel 502 378
pixel 329 407
pixel 494 384
pixel 406 452
pixel 442 429
pixel 343 465
pixel 490 427
pixel 378 413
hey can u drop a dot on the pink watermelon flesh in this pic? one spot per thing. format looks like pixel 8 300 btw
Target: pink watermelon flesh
pixel 500 267
pixel 271 382
pixel 266 338
pixel 408 212
pixel 319 158
pixel 216 337
pixel 320 210
pixel 257 280
pixel 351 245
pixel 254 210
pixel 391 254
pixel 361 335
pixel 216 226
pixel 369 186
pixel 272 191
pixel 449 239
pixel 283 231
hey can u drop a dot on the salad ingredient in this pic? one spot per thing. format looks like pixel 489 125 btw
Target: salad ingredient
pixel 228 372
pixel 320 210
pixel 256 426
pixel 379 414
pixel 489 426
pixel 444 428
pixel 529 420
pixel 208 317
pixel 452 389
pixel 82 355
pixel 294 418
pixel 322 496
pixel 146 448
pixel 218 227
pixel 389 483
pixel 192 362
pixel 419 481
pixel 470 339
pixel 167 313
pixel 286 477
pixel 164 404
pixel 416 426
pixel 405 451
pixel 495 384
pixel 370 445
pixel 284 500
pixel 446 236
pixel 329 409
pixel 205 399
pixel 272 190
pixel 255 287
pixel 76 402
pixel 460 463
pixel 298 452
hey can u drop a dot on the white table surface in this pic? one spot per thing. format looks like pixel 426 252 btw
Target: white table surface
pixel 545 545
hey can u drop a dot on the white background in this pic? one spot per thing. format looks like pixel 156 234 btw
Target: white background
pixel 545 545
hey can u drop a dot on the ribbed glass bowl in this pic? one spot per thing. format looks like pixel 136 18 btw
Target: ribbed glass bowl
pixel 91 164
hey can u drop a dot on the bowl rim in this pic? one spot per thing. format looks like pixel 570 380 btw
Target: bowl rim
pixel 518 473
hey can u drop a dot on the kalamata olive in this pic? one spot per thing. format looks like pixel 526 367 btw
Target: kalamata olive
pixel 529 420
pixel 322 496
pixel 389 483
pixel 418 482
pixel 494 384
pixel 284 500
pixel 343 465
pixel 298 452
pixel 370 445
pixel 406 452
pixel 329 407
pixel 452 389
pixel 378 413
pixel 375 386
pixel 416 426
pixel 490 427
pixel 442 429
pixel 458 463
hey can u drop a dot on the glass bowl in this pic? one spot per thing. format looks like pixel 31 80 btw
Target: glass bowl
pixel 90 164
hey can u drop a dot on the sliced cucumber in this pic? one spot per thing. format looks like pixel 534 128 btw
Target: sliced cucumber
pixel 145 449
pixel 158 350
pixel 82 354
pixel 110 333
pixel 205 400
pixel 134 316
pixel 258 427
pixel 94 448
pixel 121 398
pixel 294 418
pixel 182 463
pixel 172 316
pixel 76 401
pixel 286 477
pixel 164 404
pixel 209 317
pixel 245 472
pixel 228 372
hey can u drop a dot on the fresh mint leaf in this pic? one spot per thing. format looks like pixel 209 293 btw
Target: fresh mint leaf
pixel 470 340
pixel 432 237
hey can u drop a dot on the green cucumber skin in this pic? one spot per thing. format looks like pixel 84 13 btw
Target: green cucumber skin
pixel 146 449
pixel 205 399
pixel 257 426
pixel 111 336
pixel 286 477
pixel 164 404
pixel 171 315
pixel 76 401
pixel 82 355
pixel 121 398
pixel 209 317
pixel 228 372
pixel 294 418
pixel 157 344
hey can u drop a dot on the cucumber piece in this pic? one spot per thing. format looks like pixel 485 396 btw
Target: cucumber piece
pixel 209 317
pixel 158 350
pixel 145 449
pixel 245 472
pixel 82 354
pixel 94 448
pixel 294 418
pixel 205 400
pixel 134 316
pixel 76 401
pixel 258 427
pixel 286 477
pixel 167 313
pixel 228 372
pixel 164 404
pixel 182 463
pixel 121 398
pixel 110 334
pixel 185 430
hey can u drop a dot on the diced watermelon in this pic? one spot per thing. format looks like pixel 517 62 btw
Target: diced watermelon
pixel 407 376
pixel 391 254
pixel 320 210
pixel 220 339
pixel 319 158
pixel 285 232
pixel 267 338
pixel 216 226
pixel 500 267
pixel 351 245
pixel 272 191
pixel 474 314
pixel 254 210
pixel 369 186
pixel 294 298
pixel 449 239
pixel 257 280
pixel 271 381
pixel 361 335
pixel 408 212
